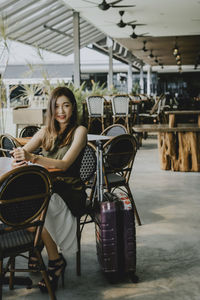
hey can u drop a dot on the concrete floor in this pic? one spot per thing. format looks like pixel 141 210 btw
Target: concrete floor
pixel 168 242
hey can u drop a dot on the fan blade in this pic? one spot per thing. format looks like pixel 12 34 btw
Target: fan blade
pixel 90 2
pixel 144 34
pixel 130 23
pixel 121 6
pixel 115 2
pixel 137 24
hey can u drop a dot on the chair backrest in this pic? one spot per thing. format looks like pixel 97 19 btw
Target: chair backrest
pixel 95 105
pixel 114 130
pixel 24 195
pixel 120 104
pixel 7 141
pixel 88 163
pixel 28 131
pixel 119 154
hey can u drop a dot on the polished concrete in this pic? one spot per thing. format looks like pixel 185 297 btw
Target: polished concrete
pixel 168 242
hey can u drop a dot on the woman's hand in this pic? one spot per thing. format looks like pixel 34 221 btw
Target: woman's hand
pixel 21 157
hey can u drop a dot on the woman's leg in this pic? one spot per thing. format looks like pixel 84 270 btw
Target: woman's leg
pixel 57 263
pixel 50 245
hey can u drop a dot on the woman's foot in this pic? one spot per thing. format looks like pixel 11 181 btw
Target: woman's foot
pixel 56 269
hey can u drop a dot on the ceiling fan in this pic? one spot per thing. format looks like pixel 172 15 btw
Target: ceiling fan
pixel 144 46
pixel 105 6
pixel 121 23
pixel 134 35
pixel 151 54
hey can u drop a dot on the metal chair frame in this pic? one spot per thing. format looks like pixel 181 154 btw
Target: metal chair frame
pixel 118 157
pixel 7 141
pixel 95 106
pixel 120 109
pixel 114 130
pixel 87 175
pixel 29 131
pixel 24 197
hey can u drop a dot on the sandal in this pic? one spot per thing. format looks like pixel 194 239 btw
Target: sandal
pixel 56 269
pixel 33 260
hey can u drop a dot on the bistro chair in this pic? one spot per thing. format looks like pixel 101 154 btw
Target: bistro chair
pixel 7 141
pixel 120 109
pixel 24 198
pixel 87 175
pixel 114 130
pixel 118 157
pixel 95 106
pixel 29 131
pixel 154 115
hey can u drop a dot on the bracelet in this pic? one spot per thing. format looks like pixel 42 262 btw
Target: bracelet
pixel 34 158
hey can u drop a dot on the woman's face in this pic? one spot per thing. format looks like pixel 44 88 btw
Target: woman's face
pixel 63 110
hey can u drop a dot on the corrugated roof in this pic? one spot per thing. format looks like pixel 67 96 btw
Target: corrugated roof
pixel 47 24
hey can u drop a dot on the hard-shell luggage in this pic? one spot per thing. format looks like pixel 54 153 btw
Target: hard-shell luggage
pixel 115 237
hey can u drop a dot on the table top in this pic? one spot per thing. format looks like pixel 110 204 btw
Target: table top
pixel 98 137
pixel 182 112
pixel 6 163
pixel 166 128
pixel 90 137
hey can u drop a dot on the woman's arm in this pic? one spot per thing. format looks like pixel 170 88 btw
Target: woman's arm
pixel 79 142
pixel 36 141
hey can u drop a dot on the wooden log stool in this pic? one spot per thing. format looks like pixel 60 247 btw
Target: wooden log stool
pixel 179 151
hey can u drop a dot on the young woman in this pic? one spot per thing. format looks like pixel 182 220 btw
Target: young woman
pixel 62 142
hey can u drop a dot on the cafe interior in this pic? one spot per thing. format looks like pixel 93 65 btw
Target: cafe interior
pixel 152 131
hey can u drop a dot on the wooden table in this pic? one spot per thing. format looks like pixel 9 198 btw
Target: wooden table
pixel 173 114
pixel 179 147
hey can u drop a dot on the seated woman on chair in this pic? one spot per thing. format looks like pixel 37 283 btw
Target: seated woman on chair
pixel 63 142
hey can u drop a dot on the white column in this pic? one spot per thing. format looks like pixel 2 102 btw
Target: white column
pixel 141 81
pixel 76 49
pixel 109 43
pixel 8 96
pixel 149 81
pixel 130 78
pixel 110 72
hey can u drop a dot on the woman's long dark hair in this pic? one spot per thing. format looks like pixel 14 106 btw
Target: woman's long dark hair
pixel 52 136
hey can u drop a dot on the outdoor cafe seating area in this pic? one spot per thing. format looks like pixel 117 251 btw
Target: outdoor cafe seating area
pixel 111 212
pixel 167 242
pixel 155 132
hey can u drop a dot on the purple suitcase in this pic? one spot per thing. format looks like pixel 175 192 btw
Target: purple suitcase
pixel 115 237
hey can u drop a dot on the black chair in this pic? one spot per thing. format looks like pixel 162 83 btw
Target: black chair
pixel 29 131
pixel 87 175
pixel 118 157
pixel 114 130
pixel 7 141
pixel 24 198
